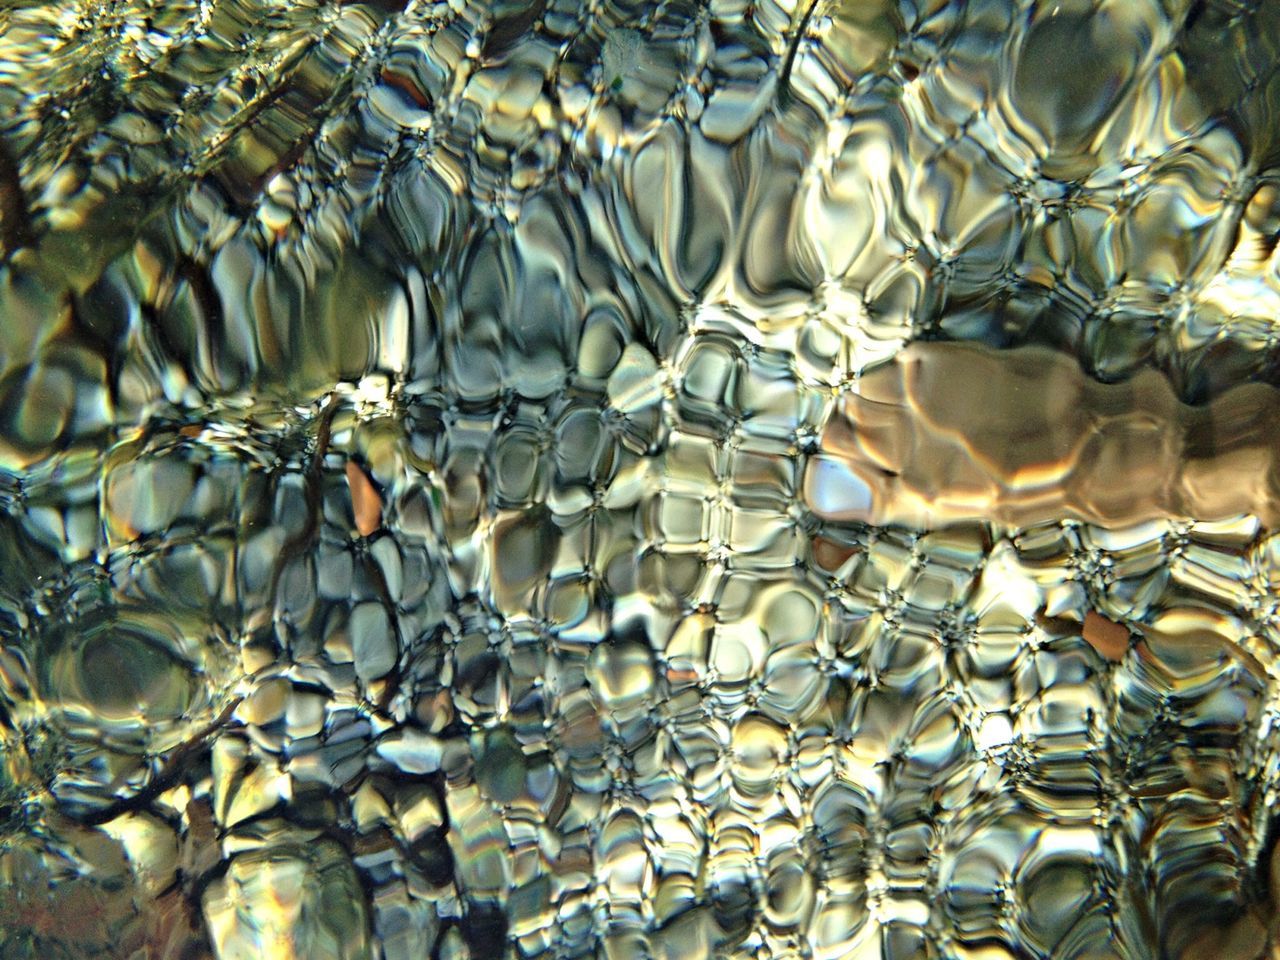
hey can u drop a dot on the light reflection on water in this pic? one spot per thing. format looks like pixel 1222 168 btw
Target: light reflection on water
pixel 638 479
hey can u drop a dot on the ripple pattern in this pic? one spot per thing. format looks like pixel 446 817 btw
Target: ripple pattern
pixel 427 526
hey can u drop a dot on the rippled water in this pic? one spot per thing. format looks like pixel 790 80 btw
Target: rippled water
pixel 540 478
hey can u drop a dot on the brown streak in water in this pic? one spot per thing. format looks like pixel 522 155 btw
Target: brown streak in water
pixel 949 433
pixel 175 766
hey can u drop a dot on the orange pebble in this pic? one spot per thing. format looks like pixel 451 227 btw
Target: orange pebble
pixel 1109 638
pixel 366 504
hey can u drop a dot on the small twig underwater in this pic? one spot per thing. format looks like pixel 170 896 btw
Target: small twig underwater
pixel 784 81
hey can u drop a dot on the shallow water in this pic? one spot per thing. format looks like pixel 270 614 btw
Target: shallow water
pixel 639 480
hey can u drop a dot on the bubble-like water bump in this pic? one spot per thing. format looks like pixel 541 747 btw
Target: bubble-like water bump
pixel 313 907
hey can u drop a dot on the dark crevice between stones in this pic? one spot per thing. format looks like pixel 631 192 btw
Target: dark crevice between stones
pixel 484 928
pixel 16 228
